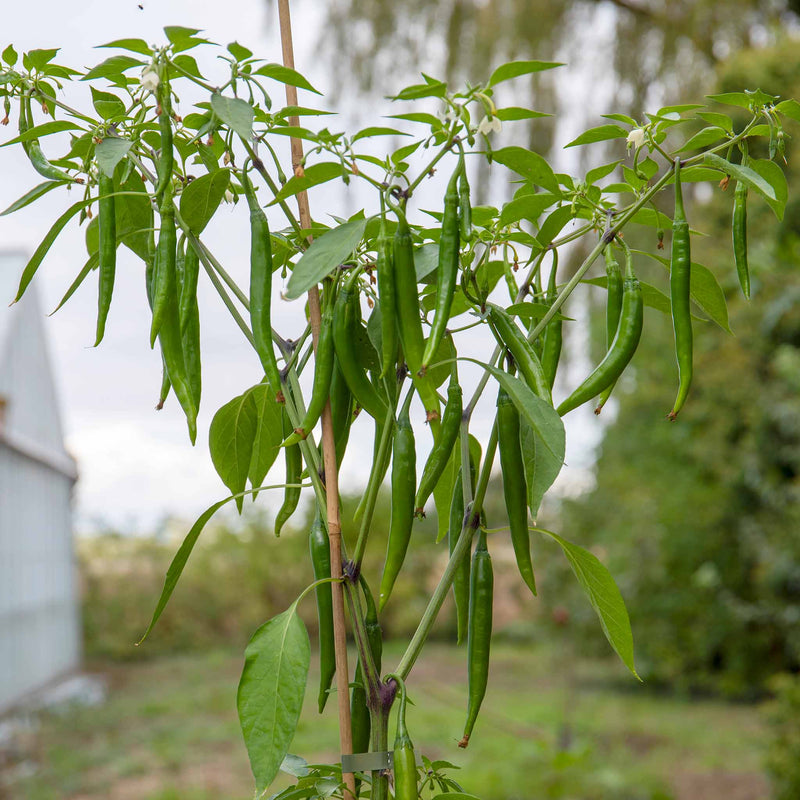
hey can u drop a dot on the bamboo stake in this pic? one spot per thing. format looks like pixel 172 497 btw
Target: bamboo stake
pixel 328 441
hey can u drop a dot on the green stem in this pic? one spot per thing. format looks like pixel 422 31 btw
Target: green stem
pixel 368 665
pixel 379 718
pixel 446 147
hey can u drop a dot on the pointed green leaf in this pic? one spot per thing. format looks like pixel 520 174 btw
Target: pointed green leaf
pixel 230 440
pixel 514 69
pixel 268 436
pixel 271 692
pixel 134 45
pixel 368 133
pixel 514 113
pixel 703 138
pixel 600 134
pixel 715 118
pixel 201 198
pixel 236 113
pixel 106 104
pixel 40 131
pixel 239 52
pixel 420 90
pixel 285 75
pixel 92 262
pixel 789 108
pixel 427 119
pixel 324 255
pixel 529 165
pixel 313 175
pixel 773 175
pixel 541 466
pixel 739 99
pixel 33 195
pixel 598 173
pixel 134 214
pixel 554 224
pixel 112 67
pixel 529 207
pixel 603 594
pixel 110 151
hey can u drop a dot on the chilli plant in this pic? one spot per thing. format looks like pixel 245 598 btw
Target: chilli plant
pixel 389 294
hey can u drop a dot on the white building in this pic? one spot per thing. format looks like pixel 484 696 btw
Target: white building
pixel 39 611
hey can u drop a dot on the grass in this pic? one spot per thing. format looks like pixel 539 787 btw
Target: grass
pixel 552 727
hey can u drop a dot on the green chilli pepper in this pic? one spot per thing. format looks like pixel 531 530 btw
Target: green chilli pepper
pixel 442 447
pixel 479 637
pixel 528 363
pixel 341 410
pixel 464 206
pixel 344 343
pixel 323 373
pixel 409 325
pixel 447 268
pixel 680 275
pixel 166 160
pixel 388 303
pixel 261 288
pixel 404 479
pixel 461 577
pixel 515 488
pixel 164 278
pixel 33 149
pixel 321 563
pixel 613 311
pixel 740 233
pixel 294 469
pixel 108 251
pixel 189 314
pixel 551 347
pixel 622 348
pixel 359 711
pixel 405 764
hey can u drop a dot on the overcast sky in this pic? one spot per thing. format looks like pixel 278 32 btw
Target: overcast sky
pixel 137 465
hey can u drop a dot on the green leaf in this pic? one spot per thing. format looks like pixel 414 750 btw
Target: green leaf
pixel 720 120
pixel 313 175
pixel 773 175
pixel 529 165
pixel 134 45
pixel 106 104
pixel 368 133
pixel 112 67
pixel 285 75
pixel 600 134
pixel 230 440
pixel 271 691
pixel 33 195
pixel 134 214
pixel 38 59
pixel 443 491
pixel 678 109
pixel 92 262
pixel 183 38
pixel 739 99
pixel 46 244
pixel 541 466
pixel 40 131
pixel 789 108
pixel 324 255
pixel 201 198
pixel 239 52
pixel 514 69
pixel 426 259
pixel 529 207
pixel 268 435
pixel 295 766
pixel 10 55
pixel 743 174
pixel 604 595
pixel 110 152
pixel 420 90
pixel 598 173
pixel 514 113
pixel 426 119
pixel 237 114
pixel 554 224
pixel 623 118
pixel 703 138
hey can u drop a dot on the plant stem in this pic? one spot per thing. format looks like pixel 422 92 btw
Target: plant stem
pixel 379 718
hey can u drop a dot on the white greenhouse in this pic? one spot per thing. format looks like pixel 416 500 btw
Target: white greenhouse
pixel 39 614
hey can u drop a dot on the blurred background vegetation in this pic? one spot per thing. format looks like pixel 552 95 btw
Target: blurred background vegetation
pixel 697 520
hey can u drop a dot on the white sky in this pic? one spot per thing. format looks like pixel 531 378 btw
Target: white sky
pixel 136 465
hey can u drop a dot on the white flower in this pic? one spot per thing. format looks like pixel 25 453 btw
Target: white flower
pixel 636 138
pixel 228 196
pixel 149 79
pixel 487 126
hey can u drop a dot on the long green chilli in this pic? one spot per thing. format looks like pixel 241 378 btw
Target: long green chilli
pixel 189 315
pixel 464 206
pixel 404 478
pixel 622 348
pixel 409 325
pixel 613 311
pixel 442 448
pixel 34 150
pixel 166 160
pixel 359 712
pixel 107 221
pixel 551 348
pixel 405 765
pixel 479 637
pixel 164 278
pixel 293 460
pixel 461 578
pixel 341 410
pixel 388 302
pixel 261 288
pixel 447 268
pixel 680 274
pixel 740 232
pixel 515 488
pixel 321 564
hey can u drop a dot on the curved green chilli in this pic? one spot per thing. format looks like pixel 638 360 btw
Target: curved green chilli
pixel 261 288
pixel 622 348
pixel 464 206
pixel 409 325
pixel 740 233
pixel 166 160
pixel 515 489
pixel 323 374
pixel 528 363
pixel 479 637
pixel 344 344
pixel 613 311
pixel 388 302
pixel 447 268
pixel 189 314
pixel 341 410
pixel 405 764
pixel 321 564
pixel 294 470
pixel 108 251
pixel 680 274
pixel 164 277
pixel 461 577
pixel 359 712
pixel 404 478
pixel 33 149
pixel 551 348
pixel 442 447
